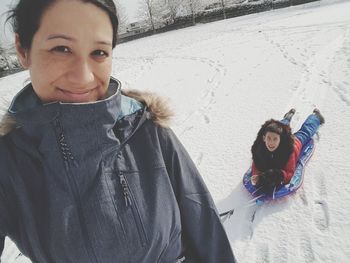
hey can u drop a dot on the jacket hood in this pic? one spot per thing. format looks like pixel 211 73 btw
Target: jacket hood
pixel 157 106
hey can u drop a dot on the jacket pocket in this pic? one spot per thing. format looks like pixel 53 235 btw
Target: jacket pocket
pixel 128 211
pixel 131 204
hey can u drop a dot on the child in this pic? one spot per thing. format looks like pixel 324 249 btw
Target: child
pixel 276 150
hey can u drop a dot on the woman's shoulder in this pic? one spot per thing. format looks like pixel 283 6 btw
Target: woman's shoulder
pixel 157 107
pixel 155 117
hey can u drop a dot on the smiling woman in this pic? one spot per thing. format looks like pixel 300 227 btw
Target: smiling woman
pixel 90 173
pixel 69 62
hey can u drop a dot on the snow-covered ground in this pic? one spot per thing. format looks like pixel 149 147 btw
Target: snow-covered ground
pixel 224 80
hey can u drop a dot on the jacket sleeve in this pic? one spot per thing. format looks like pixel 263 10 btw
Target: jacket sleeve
pixel 2 244
pixel 289 169
pixel 254 170
pixel 5 217
pixel 3 224
pixel 203 232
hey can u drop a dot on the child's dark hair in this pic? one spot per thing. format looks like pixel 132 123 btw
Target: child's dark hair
pixel 282 153
pixel 25 17
pixel 274 127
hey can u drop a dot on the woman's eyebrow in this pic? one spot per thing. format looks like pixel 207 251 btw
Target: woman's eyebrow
pixel 107 43
pixel 65 37
pixel 55 36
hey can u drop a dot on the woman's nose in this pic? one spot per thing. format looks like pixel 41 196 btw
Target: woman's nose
pixel 80 72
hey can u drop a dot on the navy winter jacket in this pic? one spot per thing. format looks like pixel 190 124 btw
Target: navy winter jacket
pixel 102 182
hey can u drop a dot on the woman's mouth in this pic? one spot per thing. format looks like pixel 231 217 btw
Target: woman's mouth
pixel 76 95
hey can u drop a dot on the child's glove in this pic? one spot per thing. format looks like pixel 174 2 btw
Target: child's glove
pixel 269 180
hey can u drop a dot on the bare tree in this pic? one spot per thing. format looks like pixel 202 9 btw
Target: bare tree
pixel 174 6
pixel 4 63
pixel 149 12
pixel 194 8
pixel 122 17
pixel 223 4
pixel 156 12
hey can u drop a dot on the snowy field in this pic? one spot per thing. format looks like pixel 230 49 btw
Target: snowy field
pixel 224 80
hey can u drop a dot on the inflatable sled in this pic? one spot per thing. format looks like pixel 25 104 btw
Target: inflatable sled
pixel 295 182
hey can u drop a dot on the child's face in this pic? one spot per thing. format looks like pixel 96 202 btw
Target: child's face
pixel 272 141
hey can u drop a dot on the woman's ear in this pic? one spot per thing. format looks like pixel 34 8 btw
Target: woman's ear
pixel 22 53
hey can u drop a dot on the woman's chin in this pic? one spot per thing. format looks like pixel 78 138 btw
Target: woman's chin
pixel 77 97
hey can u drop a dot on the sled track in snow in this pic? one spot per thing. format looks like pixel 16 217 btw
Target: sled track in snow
pixel 340 80
pixel 315 82
pixel 317 67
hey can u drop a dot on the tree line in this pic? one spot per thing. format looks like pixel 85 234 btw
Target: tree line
pixel 160 12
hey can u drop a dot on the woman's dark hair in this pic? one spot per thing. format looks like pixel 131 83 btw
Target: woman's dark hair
pixel 25 17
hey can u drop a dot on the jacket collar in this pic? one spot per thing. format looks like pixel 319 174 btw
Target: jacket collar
pixel 26 108
pixel 77 129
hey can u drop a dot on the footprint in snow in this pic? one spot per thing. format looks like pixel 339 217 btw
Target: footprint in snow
pixel 306 249
pixel 303 197
pixel 322 186
pixel 210 80
pixel 199 159
pixel 206 119
pixel 280 254
pixel 263 255
pixel 186 129
pixel 321 215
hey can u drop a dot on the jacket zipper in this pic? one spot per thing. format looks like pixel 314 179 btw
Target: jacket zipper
pixel 129 205
pixel 69 158
pixel 125 189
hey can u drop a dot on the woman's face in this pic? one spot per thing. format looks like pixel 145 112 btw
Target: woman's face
pixel 70 59
pixel 272 140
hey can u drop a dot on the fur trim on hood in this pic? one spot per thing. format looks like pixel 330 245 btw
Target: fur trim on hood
pixel 7 123
pixel 158 107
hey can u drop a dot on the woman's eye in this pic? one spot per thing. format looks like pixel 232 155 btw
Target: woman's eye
pixel 62 49
pixel 100 53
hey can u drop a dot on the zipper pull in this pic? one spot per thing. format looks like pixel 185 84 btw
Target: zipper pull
pixel 125 189
pixel 180 260
pixel 65 150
